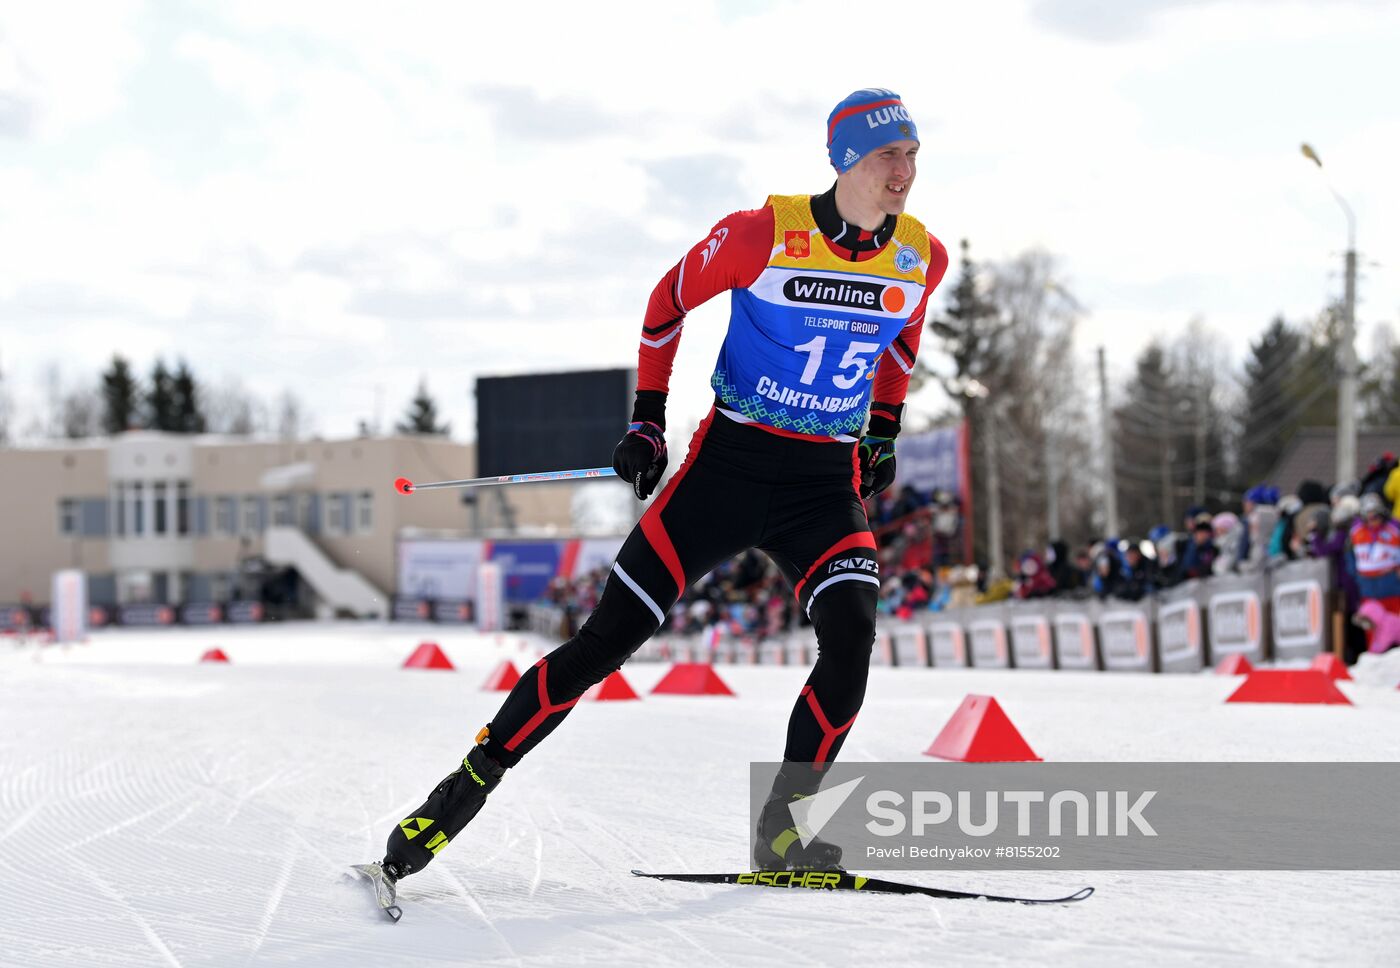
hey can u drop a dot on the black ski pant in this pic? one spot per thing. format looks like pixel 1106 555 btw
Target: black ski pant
pixel 740 487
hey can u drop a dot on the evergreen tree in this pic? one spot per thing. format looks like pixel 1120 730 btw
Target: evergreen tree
pixel 188 418
pixel 1269 412
pixel 1144 444
pixel 120 397
pixel 160 399
pixel 1380 383
pixel 1314 386
pixel 422 415
pixel 1171 435
pixel 972 332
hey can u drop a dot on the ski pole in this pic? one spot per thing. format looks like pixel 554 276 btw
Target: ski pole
pixel 404 486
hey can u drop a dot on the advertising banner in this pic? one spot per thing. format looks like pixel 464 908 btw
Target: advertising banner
pixel 430 569
pixel 14 618
pixel 1298 596
pixel 1181 639
pixel 910 645
pixel 947 638
pixel 243 613
pixel 1032 641
pixel 988 643
pixel 931 460
pixel 490 597
pixel 144 614
pixel 1075 634
pixel 1125 635
pixel 1235 620
pixel 201 613
pixel 411 609
pixel 68 614
pixel 527 567
pixel 452 611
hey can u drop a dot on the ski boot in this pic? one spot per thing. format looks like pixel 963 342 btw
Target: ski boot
pixel 451 806
pixel 778 844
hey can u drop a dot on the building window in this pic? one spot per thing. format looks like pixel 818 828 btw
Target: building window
pixel 68 517
pixel 251 522
pixel 309 509
pixel 364 513
pixel 282 513
pixel 182 507
pixel 224 521
pixel 120 502
pixel 138 509
pixel 159 490
pixel 337 513
pixel 220 587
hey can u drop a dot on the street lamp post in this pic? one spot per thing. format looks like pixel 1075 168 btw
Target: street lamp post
pixel 1346 351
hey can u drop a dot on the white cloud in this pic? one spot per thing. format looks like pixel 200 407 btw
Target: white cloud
pixel 325 196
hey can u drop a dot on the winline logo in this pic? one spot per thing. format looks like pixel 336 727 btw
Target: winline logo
pixel 847 293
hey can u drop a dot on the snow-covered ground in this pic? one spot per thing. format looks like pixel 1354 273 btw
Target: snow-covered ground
pixel 154 811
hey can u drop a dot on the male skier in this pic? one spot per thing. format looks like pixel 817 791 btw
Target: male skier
pixel 829 293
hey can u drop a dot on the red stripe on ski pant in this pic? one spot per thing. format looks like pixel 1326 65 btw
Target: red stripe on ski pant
pixel 546 709
pixel 652 527
pixel 829 733
pixel 861 539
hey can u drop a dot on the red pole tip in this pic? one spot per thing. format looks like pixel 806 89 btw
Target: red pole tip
pixel 403 485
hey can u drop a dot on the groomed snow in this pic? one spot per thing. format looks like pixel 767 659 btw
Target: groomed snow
pixel 155 811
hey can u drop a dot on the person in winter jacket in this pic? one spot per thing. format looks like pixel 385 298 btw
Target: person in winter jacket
pixel 1378 474
pixel 1137 574
pixel 1228 537
pixel 1382 627
pixel 1331 544
pixel 1033 579
pixel 1061 567
pixel 1166 543
pixel 1260 516
pixel 1317 506
pixel 1199 559
pixel 1391 492
pixel 1375 553
pixel 1281 541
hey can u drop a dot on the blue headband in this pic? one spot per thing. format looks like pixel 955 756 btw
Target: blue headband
pixel 866 120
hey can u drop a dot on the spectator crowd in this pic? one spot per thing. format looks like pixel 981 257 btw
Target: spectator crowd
pixel 1352 525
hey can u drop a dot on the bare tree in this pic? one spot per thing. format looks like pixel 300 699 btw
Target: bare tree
pixel 230 409
pixel 81 414
pixel 1035 412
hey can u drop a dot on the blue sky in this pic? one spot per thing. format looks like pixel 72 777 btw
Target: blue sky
pixel 338 199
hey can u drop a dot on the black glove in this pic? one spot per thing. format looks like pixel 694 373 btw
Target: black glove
pixel 877 449
pixel 640 457
pixel 876 465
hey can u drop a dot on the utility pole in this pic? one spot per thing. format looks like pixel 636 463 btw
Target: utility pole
pixel 1198 492
pixel 1110 472
pixel 1164 454
pixel 996 567
pixel 1346 349
pixel 1346 358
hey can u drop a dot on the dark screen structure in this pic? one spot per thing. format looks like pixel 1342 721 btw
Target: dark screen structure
pixel 550 421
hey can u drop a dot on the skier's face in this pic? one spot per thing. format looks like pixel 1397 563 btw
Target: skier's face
pixel 883 177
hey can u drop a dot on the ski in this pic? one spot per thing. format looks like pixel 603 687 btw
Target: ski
pixel 383 888
pixel 843 881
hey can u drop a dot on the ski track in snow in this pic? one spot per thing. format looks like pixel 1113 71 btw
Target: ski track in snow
pixel 158 811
